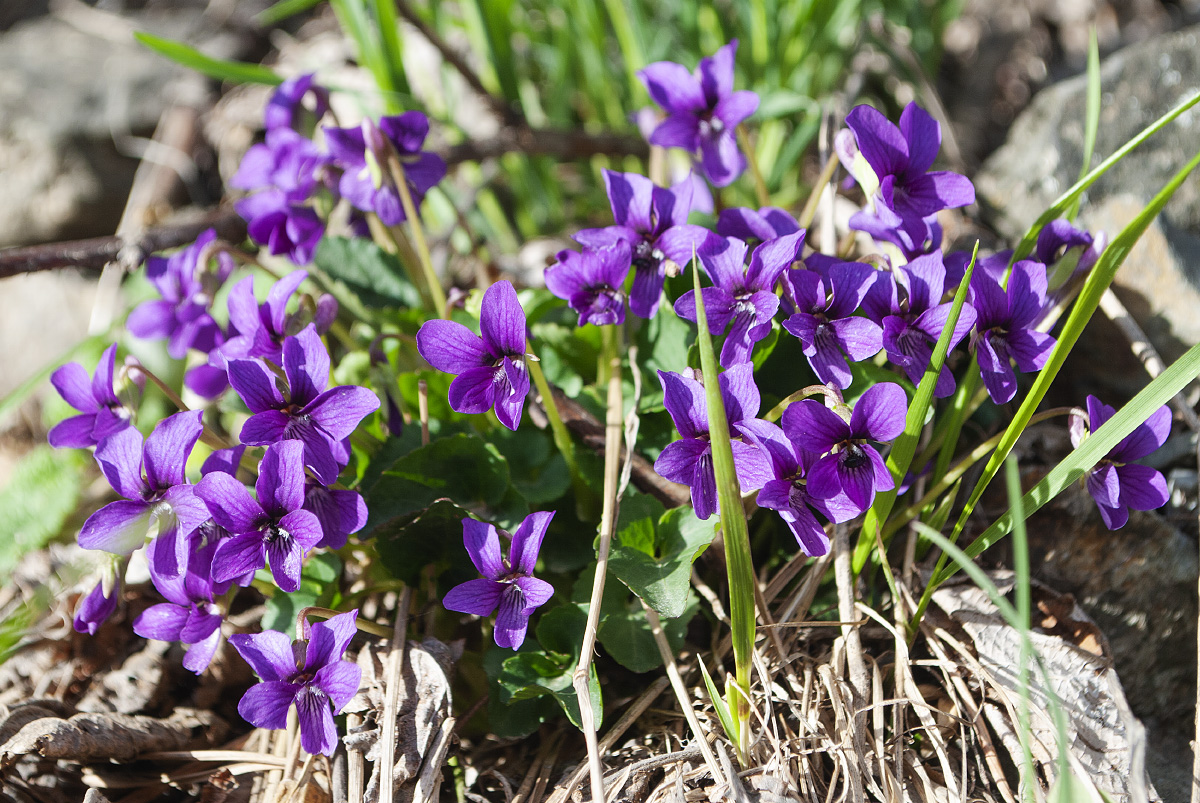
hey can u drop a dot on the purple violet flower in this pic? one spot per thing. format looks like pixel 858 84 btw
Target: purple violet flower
pixel 653 220
pixel 150 475
pixel 187 289
pixel 362 153
pixel 1116 482
pixel 491 369
pixel 689 459
pixel 848 464
pixel 340 513
pixel 287 103
pixel 275 527
pixel 917 319
pixel 507 583
pixel 311 674
pixel 103 414
pixel 260 329
pixel 189 615
pixel 750 225
pixel 824 319
pixel 283 173
pixel 590 282
pixel 787 493
pixel 743 296
pixel 97 606
pixel 1004 329
pixel 322 419
pixel 703 111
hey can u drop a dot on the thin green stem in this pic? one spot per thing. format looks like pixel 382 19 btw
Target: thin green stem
pixel 814 198
pixel 803 393
pixel 418 232
pixel 328 613
pixel 760 186
pixel 562 437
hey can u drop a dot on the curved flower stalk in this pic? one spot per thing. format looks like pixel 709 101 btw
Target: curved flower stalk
pixel 102 412
pixel 743 297
pixel 507 583
pixel 310 674
pixel 491 369
pixel 1116 483
pixel 703 111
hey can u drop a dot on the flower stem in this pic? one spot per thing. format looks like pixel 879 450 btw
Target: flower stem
pixel 207 436
pixel 562 438
pixel 803 393
pixel 328 613
pixel 614 424
pixel 418 232
pixel 760 186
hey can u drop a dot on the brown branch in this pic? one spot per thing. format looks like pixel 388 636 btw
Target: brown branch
pixel 560 143
pixel 95 253
pixel 591 432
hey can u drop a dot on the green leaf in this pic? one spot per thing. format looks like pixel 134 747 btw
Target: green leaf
pixel 538 471
pixel 40 497
pixel 569 354
pixel 655 560
pixel 371 273
pixel 508 718
pixel 282 609
pixel 663 345
pixel 237 72
pixel 463 468
pixel 280 11
pixel 407 544
pixel 324 567
pixel 626 635
pixel 718 702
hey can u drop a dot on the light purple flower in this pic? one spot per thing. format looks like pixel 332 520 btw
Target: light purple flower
pixel 741 296
pixel 274 527
pixel 1116 482
pixel 824 320
pixel 187 289
pixel 703 111
pixel 312 674
pixel 103 414
pixel 507 583
pixel 1004 329
pixel 189 615
pixel 287 103
pixel 97 606
pixel 322 419
pixel 150 476
pixel 917 319
pixel 848 463
pixel 362 154
pixel 689 459
pixel 653 220
pixel 590 282
pixel 759 225
pixel 491 369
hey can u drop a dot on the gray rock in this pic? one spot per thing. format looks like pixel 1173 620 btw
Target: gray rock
pixel 1160 280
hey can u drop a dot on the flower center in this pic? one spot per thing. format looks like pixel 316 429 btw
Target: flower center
pixel 646 256
pixel 274 532
pixel 854 456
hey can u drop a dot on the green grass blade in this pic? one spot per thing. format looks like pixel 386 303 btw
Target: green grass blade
pixel 1089 299
pixel 1091 451
pixel 905 448
pixel 282 10
pixel 355 22
pixel 237 72
pixel 1056 210
pixel 391 48
pixel 719 705
pixel 733 518
pixel 1092 119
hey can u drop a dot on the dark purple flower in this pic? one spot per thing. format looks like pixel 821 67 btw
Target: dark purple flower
pixel 1116 482
pixel 260 329
pixel 275 527
pixel 103 414
pixel 491 369
pixel 284 227
pixel 287 103
pixel 362 154
pixel 1060 242
pixel 321 419
pixel 824 319
pixel 703 111
pixel 187 289
pixel 848 463
pixel 743 296
pixel 150 476
pixel 1004 329
pixel 912 236
pixel 507 583
pixel 689 459
pixel 918 318
pixel 340 513
pixel 97 606
pixel 653 220
pixel 311 674
pixel 756 226
pixel 283 173
pixel 590 282
pixel 189 615
pixel 901 158
pixel 787 493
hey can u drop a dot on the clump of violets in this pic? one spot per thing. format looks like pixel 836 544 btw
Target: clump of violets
pixel 491 368
pixel 508 583
pixel 591 282
pixel 102 413
pixel 310 674
pixel 703 111
pixel 1116 482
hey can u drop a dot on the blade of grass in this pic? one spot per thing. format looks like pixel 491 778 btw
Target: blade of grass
pixel 1089 299
pixel 1092 119
pixel 390 46
pixel 719 705
pixel 237 72
pixel 733 523
pixel 905 447
pixel 280 11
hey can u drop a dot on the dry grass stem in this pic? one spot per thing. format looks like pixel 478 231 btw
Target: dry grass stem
pixel 391 701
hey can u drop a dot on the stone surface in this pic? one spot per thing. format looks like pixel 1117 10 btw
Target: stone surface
pixel 1160 280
